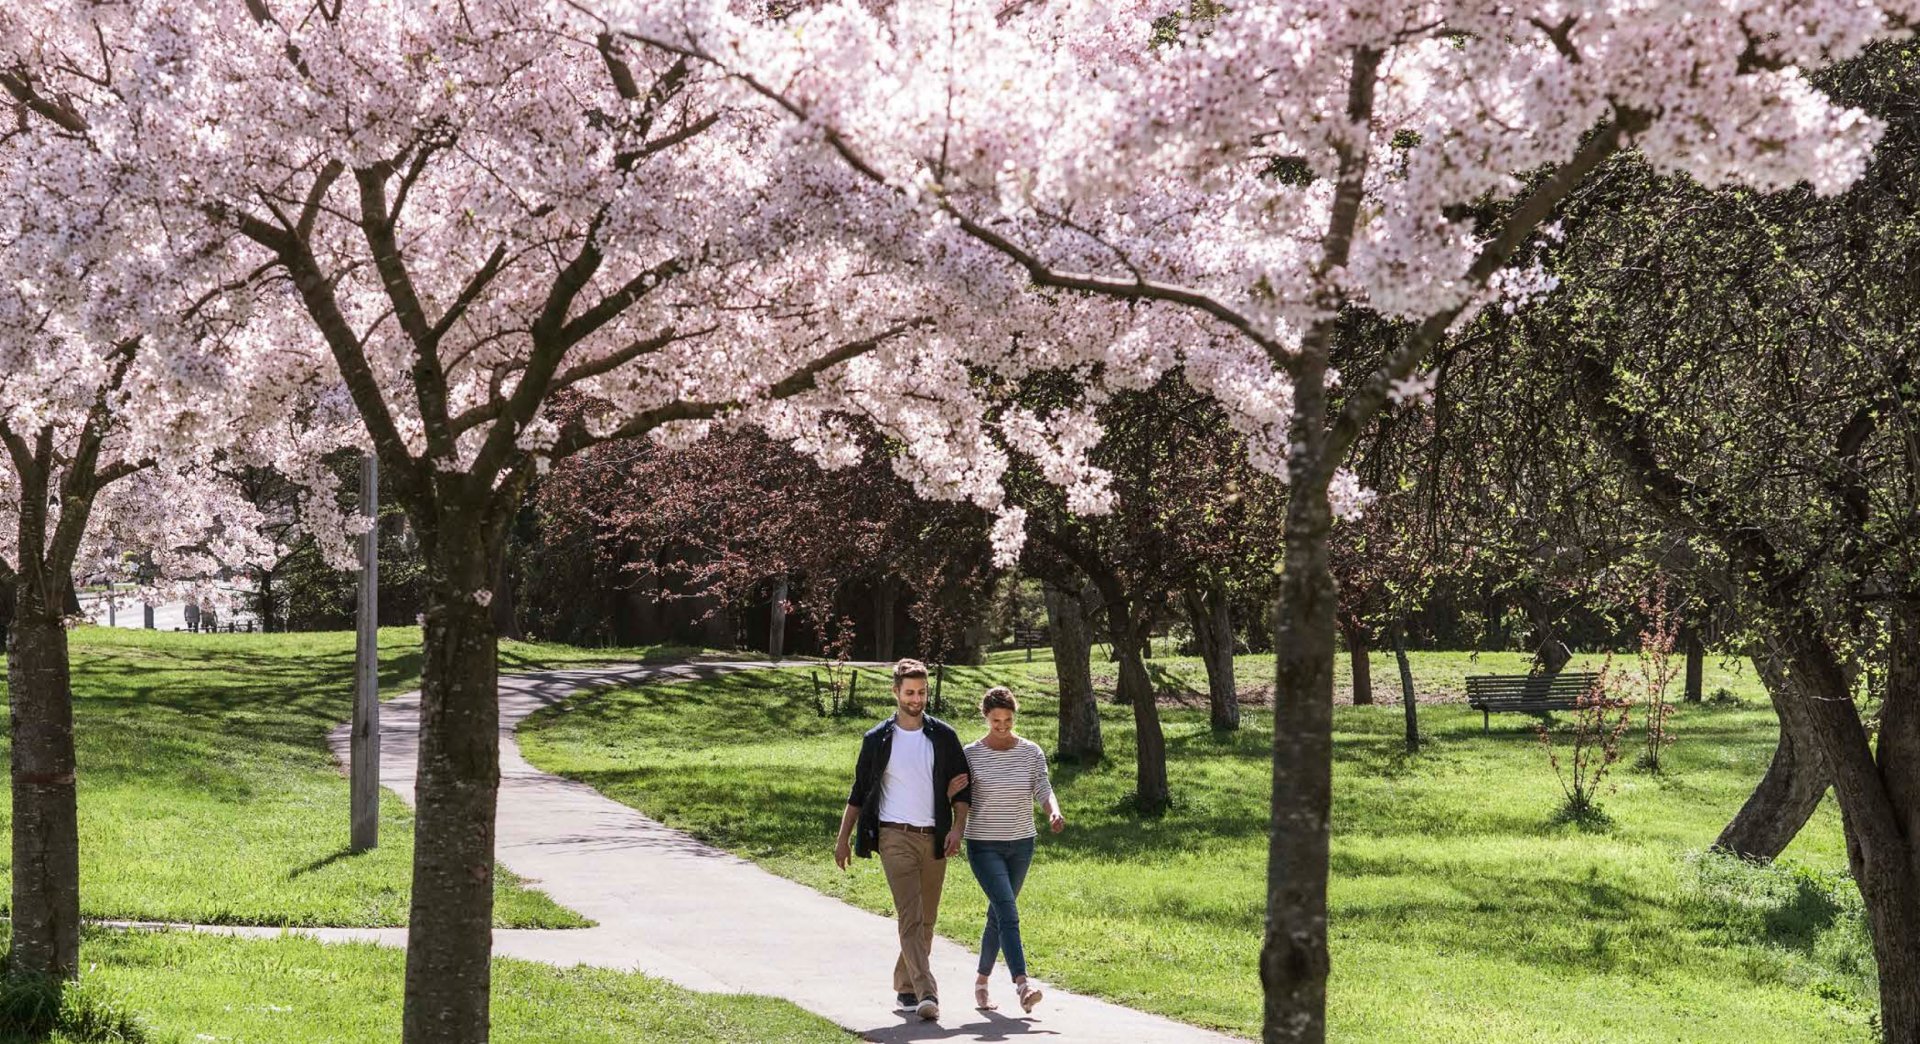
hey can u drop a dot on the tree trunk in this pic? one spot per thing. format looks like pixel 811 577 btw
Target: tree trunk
pixel 1293 951
pixel 46 832
pixel 269 619
pixel 1551 655
pixel 1879 797
pixel 1358 655
pixel 1073 663
pixel 449 935
pixel 1409 701
pixel 1795 781
pixel 506 614
pixel 1212 619
pixel 1696 666
pixel 1879 801
pixel 886 596
pixel 1136 689
pixel 777 626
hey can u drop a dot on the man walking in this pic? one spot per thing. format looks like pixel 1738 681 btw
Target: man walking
pixel 901 807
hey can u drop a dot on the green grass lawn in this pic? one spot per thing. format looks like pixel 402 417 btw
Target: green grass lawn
pixel 193 988
pixel 207 792
pixel 1461 909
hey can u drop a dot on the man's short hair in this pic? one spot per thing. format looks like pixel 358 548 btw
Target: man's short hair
pixel 999 698
pixel 908 669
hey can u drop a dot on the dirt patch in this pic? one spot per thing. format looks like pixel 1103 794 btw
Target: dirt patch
pixel 1389 696
pixel 1262 695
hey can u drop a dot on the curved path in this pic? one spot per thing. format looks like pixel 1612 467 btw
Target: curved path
pixel 671 906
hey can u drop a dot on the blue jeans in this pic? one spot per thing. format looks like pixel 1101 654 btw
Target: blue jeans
pixel 1001 867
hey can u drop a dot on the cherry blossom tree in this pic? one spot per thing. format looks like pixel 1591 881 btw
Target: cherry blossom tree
pixel 1248 177
pixel 462 212
pixel 116 362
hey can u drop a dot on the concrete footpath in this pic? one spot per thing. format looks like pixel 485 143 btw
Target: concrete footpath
pixel 670 906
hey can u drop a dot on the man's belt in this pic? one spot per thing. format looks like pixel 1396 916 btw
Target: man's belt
pixel 903 826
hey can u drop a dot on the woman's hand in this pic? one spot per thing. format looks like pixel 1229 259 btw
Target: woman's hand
pixel 1057 821
pixel 956 785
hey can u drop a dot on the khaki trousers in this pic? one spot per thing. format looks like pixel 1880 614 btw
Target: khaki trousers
pixel 915 877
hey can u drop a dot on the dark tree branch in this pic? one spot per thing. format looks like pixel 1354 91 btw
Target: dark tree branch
pixel 617 67
pixel 429 380
pixel 476 285
pixel 316 196
pixel 1312 454
pixel 614 360
pixel 550 344
pixel 82 482
pixel 60 114
pixel 1372 394
pixel 349 355
pixel 575 437
pixel 661 144
pixel 610 307
pixel 1041 273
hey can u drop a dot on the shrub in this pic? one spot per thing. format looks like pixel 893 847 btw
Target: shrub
pixel 1600 718
pixel 1655 669
pixel 838 697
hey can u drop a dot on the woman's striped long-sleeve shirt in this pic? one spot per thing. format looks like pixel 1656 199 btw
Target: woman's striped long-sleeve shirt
pixel 1006 784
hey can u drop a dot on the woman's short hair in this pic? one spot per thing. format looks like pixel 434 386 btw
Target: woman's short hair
pixel 999 698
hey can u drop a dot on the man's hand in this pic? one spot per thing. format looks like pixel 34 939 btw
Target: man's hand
pixel 956 785
pixel 1057 821
pixel 842 853
pixel 953 841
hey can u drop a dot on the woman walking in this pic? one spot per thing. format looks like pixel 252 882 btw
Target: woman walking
pixel 1009 776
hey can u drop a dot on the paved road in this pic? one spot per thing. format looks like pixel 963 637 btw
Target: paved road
pixel 671 906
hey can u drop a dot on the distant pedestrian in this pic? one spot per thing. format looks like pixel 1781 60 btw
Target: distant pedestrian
pixel 193 615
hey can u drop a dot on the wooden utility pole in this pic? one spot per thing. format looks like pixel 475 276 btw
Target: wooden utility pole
pixel 365 744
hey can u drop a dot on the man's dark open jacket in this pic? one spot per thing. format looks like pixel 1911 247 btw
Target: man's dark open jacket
pixel 949 760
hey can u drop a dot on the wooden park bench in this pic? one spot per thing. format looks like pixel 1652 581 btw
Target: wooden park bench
pixel 1525 693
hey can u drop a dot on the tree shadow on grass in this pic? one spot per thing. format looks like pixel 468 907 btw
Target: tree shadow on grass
pixel 1800 921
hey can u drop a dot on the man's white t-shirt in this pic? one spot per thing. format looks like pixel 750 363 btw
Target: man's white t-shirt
pixel 906 792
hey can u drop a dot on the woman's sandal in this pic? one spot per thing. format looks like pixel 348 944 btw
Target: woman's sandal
pixel 980 999
pixel 1029 996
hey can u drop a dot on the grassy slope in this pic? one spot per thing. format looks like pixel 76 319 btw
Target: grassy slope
pixel 191 988
pixel 207 792
pixel 1460 910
